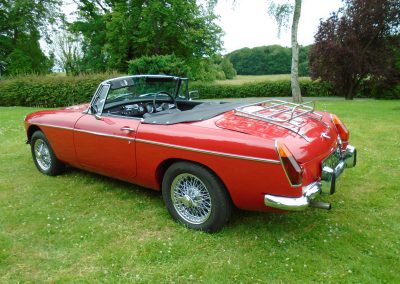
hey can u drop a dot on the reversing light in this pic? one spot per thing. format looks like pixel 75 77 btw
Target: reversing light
pixel 341 128
pixel 292 169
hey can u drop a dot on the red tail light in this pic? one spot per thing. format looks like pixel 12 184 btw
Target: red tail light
pixel 343 132
pixel 292 169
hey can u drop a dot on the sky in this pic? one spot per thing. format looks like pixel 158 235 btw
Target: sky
pixel 247 24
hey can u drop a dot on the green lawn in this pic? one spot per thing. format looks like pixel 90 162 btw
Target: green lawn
pixel 81 227
pixel 241 79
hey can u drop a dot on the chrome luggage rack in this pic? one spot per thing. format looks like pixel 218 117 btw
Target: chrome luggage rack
pixel 281 113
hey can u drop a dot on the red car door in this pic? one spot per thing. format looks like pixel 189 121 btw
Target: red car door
pixel 107 145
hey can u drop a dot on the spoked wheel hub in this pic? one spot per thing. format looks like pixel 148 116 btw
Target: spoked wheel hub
pixel 42 154
pixel 191 198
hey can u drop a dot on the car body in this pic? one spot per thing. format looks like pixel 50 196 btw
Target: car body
pixel 269 156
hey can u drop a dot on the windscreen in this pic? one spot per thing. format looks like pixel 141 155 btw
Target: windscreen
pixel 132 89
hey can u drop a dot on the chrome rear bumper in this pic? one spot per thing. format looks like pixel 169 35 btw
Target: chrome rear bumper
pixel 327 185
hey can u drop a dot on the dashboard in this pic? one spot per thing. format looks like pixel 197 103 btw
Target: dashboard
pixel 139 109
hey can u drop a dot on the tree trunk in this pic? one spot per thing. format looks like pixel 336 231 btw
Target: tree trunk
pixel 350 92
pixel 296 93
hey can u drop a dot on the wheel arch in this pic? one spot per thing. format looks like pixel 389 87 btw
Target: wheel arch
pixel 32 129
pixel 164 165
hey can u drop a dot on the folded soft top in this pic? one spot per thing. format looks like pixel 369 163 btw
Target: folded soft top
pixel 200 112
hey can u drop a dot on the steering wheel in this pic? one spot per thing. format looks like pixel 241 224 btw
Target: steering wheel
pixel 168 94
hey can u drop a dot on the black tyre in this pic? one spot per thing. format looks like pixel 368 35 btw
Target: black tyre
pixel 43 155
pixel 195 197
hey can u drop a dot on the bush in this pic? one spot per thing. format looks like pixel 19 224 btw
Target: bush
pixel 221 75
pixel 263 89
pixel 49 91
pixel 227 68
pixel 55 91
pixel 204 70
pixel 381 92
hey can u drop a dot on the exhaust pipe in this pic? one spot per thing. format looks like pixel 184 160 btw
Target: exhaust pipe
pixel 320 205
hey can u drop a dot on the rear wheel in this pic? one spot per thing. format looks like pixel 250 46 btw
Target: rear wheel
pixel 195 197
pixel 43 155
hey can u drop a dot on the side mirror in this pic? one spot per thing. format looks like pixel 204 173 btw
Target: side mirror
pixel 194 95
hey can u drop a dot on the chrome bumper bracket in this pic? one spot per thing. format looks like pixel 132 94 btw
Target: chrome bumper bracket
pixel 326 186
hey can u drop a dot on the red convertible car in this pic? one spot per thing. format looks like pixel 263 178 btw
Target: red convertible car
pixel 205 157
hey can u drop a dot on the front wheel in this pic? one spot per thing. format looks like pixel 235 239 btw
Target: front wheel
pixel 43 155
pixel 195 197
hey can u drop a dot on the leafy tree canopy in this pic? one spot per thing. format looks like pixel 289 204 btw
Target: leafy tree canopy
pixel 267 60
pixel 161 64
pixel 227 68
pixel 357 44
pixel 116 31
pixel 21 25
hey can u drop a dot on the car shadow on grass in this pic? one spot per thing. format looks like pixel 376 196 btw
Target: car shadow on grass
pixel 121 189
pixel 241 220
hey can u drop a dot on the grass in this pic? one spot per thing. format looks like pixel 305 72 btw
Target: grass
pixel 82 227
pixel 242 79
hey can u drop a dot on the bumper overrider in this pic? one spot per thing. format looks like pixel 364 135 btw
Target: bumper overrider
pixel 326 186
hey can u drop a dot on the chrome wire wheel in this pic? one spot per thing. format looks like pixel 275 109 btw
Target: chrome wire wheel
pixel 191 198
pixel 42 154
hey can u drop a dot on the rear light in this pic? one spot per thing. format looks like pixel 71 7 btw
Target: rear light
pixel 343 132
pixel 292 169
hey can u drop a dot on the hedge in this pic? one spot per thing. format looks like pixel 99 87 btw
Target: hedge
pixel 55 91
pixel 49 91
pixel 279 88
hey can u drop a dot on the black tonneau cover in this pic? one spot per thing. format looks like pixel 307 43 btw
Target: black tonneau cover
pixel 200 112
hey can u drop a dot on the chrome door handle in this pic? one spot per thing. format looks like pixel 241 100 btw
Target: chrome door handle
pixel 127 129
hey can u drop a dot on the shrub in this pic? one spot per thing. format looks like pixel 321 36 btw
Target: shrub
pixel 382 92
pixel 227 68
pixel 262 89
pixel 54 91
pixel 204 70
pixel 158 64
pixel 221 75
pixel 49 91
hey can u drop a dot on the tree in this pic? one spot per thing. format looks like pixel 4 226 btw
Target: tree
pixel 249 61
pixel 281 13
pixel 296 93
pixel 158 64
pixel 267 60
pixel 358 44
pixel 227 68
pixel 67 51
pixel 122 30
pixel 2 67
pixel 91 25
pixel 21 25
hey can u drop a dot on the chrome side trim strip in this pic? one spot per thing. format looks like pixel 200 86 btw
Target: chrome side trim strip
pixel 86 131
pixel 105 135
pixel 209 152
pixel 53 126
pixel 263 160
